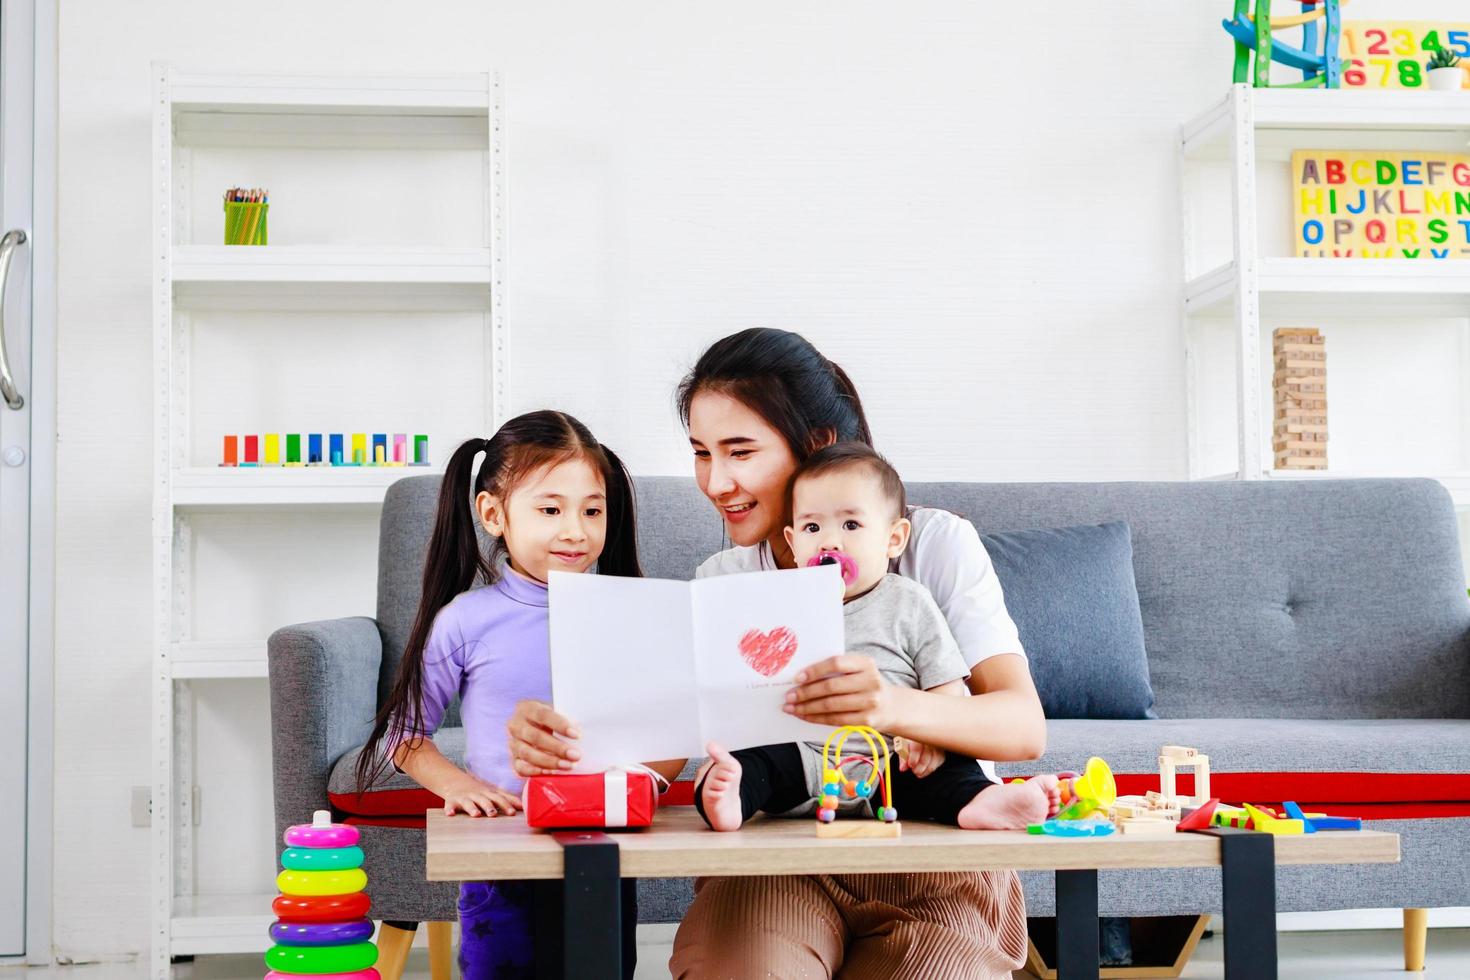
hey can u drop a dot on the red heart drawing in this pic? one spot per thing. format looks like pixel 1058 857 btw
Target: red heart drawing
pixel 768 653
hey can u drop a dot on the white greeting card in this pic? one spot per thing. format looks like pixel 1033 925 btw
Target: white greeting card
pixel 653 669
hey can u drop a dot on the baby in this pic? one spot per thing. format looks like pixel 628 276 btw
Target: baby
pixel 847 506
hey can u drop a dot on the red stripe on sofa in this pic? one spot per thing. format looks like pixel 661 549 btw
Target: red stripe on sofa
pixel 1370 795
pixel 1324 787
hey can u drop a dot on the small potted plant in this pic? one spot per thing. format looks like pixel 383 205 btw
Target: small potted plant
pixel 1444 71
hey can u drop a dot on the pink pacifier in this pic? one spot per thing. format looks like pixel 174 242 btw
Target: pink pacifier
pixel 842 560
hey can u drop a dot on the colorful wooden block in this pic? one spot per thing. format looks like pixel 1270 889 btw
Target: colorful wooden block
pixel 421 450
pixel 314 448
pixel 232 451
pixel 272 450
pixel 293 449
pixel 400 449
pixel 380 449
pixel 1199 818
pixel 335 453
pixel 252 451
pixel 359 449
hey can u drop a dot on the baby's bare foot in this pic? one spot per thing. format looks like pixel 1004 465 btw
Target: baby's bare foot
pixel 721 792
pixel 1012 806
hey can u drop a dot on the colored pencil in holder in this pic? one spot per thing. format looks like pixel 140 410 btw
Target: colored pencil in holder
pixel 245 216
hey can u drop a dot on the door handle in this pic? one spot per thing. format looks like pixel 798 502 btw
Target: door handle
pixel 8 245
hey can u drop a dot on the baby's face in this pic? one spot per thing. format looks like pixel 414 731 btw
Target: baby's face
pixel 845 511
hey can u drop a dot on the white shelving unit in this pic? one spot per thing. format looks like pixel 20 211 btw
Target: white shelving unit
pixel 342 263
pixel 1254 284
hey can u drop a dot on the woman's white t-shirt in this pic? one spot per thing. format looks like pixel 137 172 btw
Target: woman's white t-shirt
pixel 946 557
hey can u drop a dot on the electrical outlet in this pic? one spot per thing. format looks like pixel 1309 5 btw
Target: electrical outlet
pixel 142 806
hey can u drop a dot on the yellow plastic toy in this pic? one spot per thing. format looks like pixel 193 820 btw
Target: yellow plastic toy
pixel 1084 795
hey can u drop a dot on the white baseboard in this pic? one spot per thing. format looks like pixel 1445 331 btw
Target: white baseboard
pixel 657 933
pixel 1352 919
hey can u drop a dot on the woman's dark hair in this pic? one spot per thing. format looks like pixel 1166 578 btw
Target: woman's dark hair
pixel 781 377
pixel 456 562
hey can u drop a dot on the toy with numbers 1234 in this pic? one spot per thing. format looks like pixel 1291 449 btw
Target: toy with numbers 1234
pixel 259 451
pixel 836 787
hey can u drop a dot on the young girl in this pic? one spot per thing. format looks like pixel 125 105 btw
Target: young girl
pixel 551 498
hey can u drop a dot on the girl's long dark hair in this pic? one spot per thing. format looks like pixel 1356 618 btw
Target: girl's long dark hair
pixel 456 562
pixel 781 377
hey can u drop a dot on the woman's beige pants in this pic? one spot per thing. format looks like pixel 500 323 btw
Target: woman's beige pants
pixel 922 926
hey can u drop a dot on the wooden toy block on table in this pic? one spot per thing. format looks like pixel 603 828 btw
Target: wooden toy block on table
pixel 1171 759
pixel 1299 429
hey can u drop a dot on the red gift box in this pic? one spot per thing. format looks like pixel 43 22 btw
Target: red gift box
pixel 616 798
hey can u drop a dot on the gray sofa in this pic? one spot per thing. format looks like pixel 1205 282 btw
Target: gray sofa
pixel 1293 628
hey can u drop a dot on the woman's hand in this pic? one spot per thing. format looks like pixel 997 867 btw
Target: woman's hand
pixel 539 740
pixel 920 758
pixel 478 799
pixel 843 690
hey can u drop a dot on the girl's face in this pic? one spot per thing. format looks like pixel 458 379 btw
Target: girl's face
pixel 743 465
pixel 554 521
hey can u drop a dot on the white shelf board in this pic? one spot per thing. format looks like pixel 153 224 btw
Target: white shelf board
pixel 232 276
pixel 200 659
pixel 462 94
pixel 268 486
pixel 1348 287
pixel 204 924
pixel 1342 110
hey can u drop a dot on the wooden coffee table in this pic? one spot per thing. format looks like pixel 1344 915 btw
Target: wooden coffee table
pixel 580 872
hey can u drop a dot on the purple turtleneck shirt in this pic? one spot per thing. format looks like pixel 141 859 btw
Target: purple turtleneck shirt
pixel 490 646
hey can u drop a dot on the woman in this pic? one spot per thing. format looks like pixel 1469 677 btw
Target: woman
pixel 755 405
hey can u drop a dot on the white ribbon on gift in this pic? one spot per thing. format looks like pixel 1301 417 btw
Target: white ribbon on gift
pixel 615 792
pixel 615 798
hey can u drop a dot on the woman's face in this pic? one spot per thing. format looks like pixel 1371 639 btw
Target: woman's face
pixel 742 464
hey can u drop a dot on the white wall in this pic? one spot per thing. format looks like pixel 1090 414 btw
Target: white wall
pixel 970 206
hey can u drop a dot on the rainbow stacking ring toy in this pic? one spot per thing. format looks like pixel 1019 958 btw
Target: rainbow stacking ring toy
pixel 321 928
pixel 842 560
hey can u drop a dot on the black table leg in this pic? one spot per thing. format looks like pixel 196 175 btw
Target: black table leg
pixel 1077 925
pixel 1248 882
pixel 579 918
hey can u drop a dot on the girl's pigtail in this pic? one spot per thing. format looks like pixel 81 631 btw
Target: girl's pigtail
pixel 453 563
pixel 620 551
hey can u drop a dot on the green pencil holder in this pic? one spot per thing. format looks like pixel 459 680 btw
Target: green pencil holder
pixel 245 222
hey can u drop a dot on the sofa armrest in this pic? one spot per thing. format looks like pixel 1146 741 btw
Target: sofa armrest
pixel 324 694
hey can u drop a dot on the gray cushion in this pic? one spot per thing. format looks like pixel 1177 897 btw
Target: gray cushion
pixel 1071 592
pixel 1275 598
pixel 1406 745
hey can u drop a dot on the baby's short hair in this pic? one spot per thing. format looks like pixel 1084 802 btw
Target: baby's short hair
pixel 842 456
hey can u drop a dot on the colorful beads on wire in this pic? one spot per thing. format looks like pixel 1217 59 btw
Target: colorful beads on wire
pixel 836 786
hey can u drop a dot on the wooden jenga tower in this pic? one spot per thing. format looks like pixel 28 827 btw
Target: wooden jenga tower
pixel 1299 434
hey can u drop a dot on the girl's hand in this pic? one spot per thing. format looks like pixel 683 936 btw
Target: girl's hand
pixel 479 799
pixel 918 757
pixel 537 745
pixel 843 690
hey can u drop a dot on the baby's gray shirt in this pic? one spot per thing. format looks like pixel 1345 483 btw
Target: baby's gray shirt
pixel 899 625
